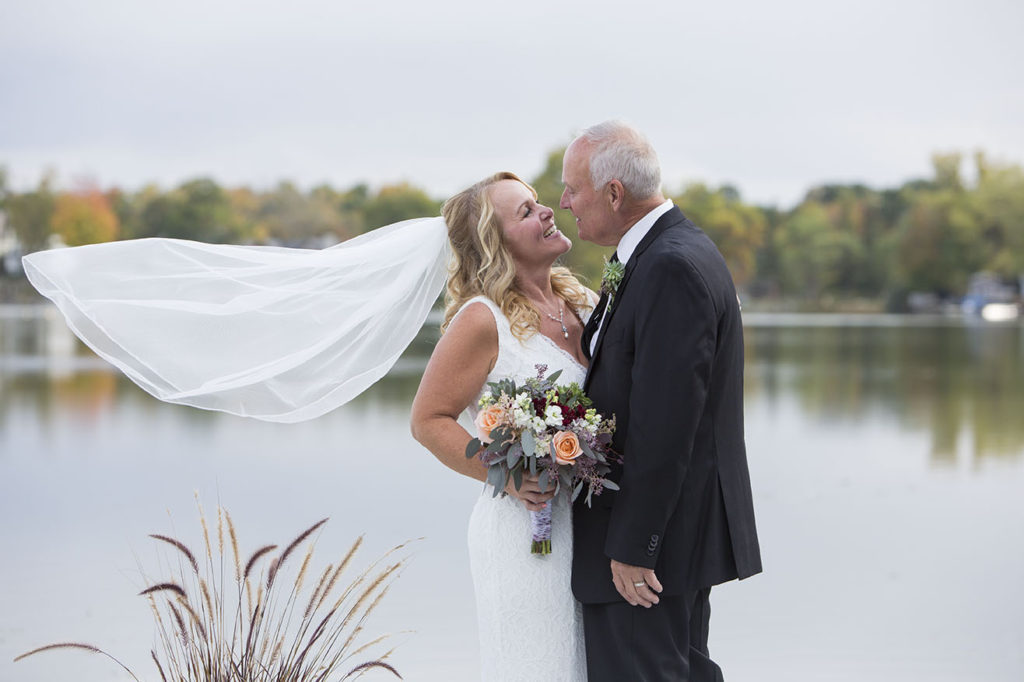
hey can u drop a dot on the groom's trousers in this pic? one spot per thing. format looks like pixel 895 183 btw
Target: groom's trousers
pixel 665 643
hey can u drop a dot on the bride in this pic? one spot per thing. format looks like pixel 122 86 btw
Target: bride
pixel 286 335
pixel 507 311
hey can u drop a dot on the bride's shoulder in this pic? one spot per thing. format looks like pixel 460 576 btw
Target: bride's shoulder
pixel 476 319
pixel 479 308
pixel 472 331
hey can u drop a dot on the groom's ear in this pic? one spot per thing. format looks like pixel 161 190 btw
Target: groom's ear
pixel 615 193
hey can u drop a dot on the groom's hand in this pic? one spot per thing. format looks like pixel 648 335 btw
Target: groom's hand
pixel 637 585
pixel 529 493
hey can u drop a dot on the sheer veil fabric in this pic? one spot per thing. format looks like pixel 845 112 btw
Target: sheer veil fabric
pixel 277 334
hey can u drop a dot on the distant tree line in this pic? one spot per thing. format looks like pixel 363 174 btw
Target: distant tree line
pixel 840 242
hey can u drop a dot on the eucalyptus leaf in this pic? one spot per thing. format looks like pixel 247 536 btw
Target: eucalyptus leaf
pixel 543 480
pixel 496 477
pixel 517 477
pixel 500 436
pixel 512 457
pixel 610 485
pixel 590 452
pixel 529 442
pixel 532 459
pixel 564 476
pixel 554 377
pixel 576 490
pixel 472 447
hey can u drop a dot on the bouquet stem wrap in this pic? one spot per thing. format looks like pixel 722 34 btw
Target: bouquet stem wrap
pixel 540 523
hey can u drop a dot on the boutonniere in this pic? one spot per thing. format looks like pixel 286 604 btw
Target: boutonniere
pixel 611 277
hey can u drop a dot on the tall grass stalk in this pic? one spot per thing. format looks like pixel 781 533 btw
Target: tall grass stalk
pixel 272 624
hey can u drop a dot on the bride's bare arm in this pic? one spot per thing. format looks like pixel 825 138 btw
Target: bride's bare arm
pixel 454 375
pixel 453 378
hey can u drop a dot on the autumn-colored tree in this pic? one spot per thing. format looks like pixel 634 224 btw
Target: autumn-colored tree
pixel 84 217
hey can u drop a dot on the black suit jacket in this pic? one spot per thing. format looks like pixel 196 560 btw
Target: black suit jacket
pixel 669 365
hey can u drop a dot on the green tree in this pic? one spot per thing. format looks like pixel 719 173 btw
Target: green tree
pixel 998 203
pixel 30 213
pixel 198 210
pixel 810 250
pixel 938 244
pixel 394 203
pixel 291 216
pixel 129 209
pixel 857 212
pixel 737 229
pixel 352 206
pixel 947 171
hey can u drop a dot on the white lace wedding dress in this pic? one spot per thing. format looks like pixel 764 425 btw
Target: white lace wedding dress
pixel 530 626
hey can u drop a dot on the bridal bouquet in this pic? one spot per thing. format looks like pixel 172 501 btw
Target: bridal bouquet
pixel 548 430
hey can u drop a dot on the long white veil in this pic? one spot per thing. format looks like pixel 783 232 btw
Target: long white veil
pixel 277 334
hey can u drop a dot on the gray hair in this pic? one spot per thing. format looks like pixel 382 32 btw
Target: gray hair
pixel 620 152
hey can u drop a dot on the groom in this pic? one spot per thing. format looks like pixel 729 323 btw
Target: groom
pixel 666 357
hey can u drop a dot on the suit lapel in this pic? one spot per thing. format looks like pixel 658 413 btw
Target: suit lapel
pixel 671 217
pixel 590 328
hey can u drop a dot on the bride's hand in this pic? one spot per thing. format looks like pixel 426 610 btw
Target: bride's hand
pixel 529 492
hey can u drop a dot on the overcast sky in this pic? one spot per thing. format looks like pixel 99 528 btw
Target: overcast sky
pixel 770 96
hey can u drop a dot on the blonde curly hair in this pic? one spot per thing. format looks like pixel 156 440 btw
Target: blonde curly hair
pixel 482 264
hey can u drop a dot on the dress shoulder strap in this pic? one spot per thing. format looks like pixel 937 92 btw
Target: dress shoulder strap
pixel 500 321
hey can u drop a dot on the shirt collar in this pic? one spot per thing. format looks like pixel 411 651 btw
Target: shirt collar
pixel 635 234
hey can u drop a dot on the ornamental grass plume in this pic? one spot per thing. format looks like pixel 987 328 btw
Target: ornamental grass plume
pixel 263 627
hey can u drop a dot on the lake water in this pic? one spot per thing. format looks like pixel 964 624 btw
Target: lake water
pixel 887 458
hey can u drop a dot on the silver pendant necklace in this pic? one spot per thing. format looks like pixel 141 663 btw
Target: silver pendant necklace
pixel 560 319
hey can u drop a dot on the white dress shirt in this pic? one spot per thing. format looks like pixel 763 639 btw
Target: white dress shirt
pixel 625 248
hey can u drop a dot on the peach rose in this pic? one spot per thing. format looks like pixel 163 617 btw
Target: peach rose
pixel 566 446
pixel 487 419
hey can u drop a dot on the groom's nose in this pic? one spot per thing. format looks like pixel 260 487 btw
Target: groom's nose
pixel 563 201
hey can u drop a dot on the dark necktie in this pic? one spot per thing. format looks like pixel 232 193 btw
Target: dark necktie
pixel 595 318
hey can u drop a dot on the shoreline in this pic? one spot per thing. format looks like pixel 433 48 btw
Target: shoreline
pixel 44 309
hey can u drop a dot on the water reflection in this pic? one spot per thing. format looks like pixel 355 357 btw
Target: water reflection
pixel 963 384
pixel 960 383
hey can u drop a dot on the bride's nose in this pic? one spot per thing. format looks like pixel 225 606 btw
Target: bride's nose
pixel 545 212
